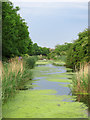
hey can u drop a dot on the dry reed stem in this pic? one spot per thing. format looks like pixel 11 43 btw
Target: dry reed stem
pixel 14 66
pixel 81 75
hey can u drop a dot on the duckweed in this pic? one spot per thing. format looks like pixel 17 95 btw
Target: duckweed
pixel 37 104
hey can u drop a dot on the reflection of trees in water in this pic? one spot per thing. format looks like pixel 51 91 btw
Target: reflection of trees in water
pixel 85 99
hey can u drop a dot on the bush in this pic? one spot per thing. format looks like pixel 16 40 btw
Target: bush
pixel 30 61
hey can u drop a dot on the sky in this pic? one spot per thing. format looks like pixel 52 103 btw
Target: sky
pixel 53 22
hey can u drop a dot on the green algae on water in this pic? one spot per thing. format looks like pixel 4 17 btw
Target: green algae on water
pixel 42 62
pixel 37 104
pixel 59 80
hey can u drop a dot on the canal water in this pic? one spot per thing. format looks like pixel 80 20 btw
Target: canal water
pixel 48 96
pixel 42 82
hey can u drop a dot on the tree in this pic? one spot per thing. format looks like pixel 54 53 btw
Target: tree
pixel 78 53
pixel 15 35
pixel 62 49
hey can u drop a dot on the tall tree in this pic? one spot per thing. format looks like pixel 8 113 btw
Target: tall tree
pixel 15 35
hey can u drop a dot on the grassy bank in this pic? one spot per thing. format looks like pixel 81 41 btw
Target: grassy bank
pixel 80 80
pixel 15 74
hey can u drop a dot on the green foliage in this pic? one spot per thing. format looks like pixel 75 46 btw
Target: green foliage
pixel 15 33
pixel 78 53
pixel 16 40
pixel 59 52
pixel 62 49
pixel 37 50
pixel 30 61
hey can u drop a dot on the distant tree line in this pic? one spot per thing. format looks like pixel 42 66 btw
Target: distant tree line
pixel 37 50
pixel 76 52
pixel 60 50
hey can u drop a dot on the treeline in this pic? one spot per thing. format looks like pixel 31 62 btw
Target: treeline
pixel 37 50
pixel 76 53
pixel 60 51
pixel 15 35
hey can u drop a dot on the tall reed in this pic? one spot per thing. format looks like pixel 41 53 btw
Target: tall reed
pixel 14 75
pixel 80 79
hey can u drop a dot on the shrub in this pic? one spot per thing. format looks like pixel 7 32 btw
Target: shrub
pixel 30 61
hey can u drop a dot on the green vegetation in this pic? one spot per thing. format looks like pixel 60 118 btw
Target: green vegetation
pixel 78 53
pixel 60 52
pixel 80 80
pixel 15 74
pixel 77 58
pixel 59 63
pixel 15 35
pixel 62 49
pixel 43 62
pixel 41 104
pixel 37 50
pixel 30 61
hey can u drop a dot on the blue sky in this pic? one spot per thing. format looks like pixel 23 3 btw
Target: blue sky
pixel 52 23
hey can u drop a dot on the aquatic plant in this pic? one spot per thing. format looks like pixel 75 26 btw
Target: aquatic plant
pixel 42 62
pixel 59 63
pixel 41 104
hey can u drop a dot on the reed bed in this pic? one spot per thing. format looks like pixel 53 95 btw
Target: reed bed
pixel 14 76
pixel 80 79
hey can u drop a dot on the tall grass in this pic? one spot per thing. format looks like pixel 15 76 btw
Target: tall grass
pixel 14 75
pixel 0 90
pixel 80 79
